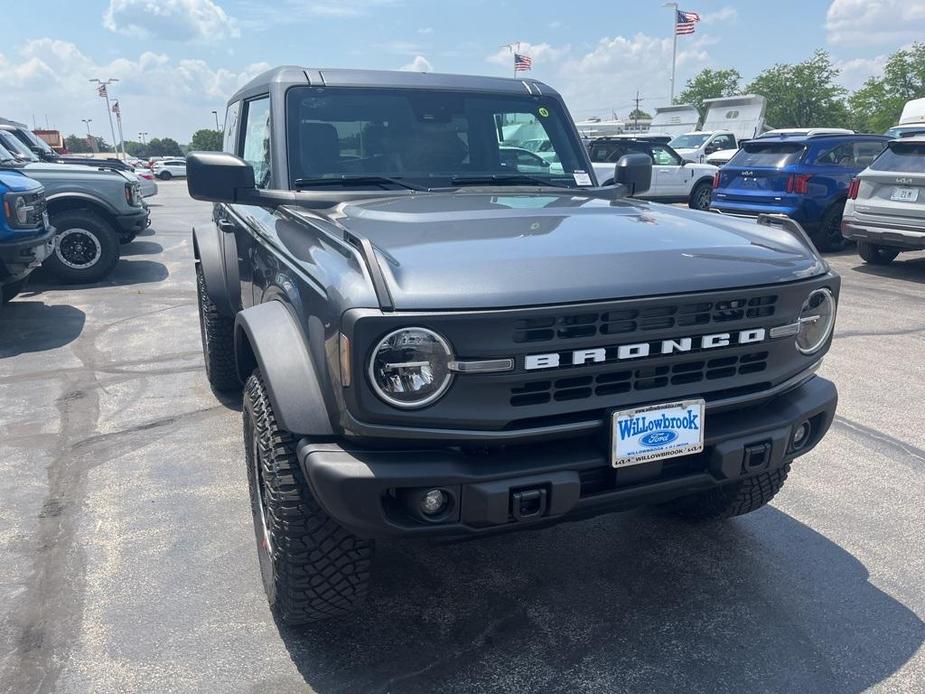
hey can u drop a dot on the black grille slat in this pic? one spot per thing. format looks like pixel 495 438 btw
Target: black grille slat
pixel 646 378
pixel 629 321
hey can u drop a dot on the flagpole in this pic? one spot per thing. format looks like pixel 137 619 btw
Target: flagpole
pixel 121 136
pixel 674 48
pixel 104 86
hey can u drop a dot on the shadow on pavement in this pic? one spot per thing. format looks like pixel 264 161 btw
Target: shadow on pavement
pixel 141 248
pixel 33 326
pixel 912 269
pixel 127 272
pixel 630 602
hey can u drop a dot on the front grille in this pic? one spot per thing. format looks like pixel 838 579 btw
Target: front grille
pixel 538 392
pixel 625 322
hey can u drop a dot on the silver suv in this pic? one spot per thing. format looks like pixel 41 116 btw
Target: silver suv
pixel 885 212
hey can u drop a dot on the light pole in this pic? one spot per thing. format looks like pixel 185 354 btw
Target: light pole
pixel 143 136
pixel 215 113
pixel 103 91
pixel 90 143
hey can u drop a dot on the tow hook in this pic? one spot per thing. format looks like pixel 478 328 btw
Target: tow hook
pixel 527 504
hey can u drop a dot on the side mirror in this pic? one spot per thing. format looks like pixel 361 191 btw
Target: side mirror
pixel 634 172
pixel 219 177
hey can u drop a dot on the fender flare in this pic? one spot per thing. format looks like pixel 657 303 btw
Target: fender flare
pixel 267 336
pixel 83 197
pixel 207 249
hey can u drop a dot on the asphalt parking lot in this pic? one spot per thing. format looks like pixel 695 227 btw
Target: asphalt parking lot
pixel 128 558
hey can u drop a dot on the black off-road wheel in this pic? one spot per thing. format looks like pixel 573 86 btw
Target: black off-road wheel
pixel 86 247
pixel 217 333
pixel 875 254
pixel 700 196
pixel 828 237
pixel 312 568
pixel 8 292
pixel 730 500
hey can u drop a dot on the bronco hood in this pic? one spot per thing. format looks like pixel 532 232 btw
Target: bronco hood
pixel 476 250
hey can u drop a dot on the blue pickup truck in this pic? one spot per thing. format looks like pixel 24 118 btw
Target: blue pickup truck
pixel 26 238
pixel 803 176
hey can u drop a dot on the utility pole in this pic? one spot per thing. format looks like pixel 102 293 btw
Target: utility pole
pixel 674 47
pixel 103 91
pixel 215 113
pixel 636 112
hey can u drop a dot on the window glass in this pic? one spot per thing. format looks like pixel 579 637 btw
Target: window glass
pixel 428 138
pixel 231 127
pixel 689 141
pixel 767 154
pixel 664 157
pixel 257 140
pixel 723 142
pixel 852 155
pixel 904 158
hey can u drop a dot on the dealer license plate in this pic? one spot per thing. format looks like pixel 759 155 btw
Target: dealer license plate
pixel 656 432
pixel 905 194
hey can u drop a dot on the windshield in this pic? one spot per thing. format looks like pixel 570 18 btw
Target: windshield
pixel 6 156
pixel 31 139
pixel 11 143
pixel 767 154
pixel 430 139
pixel 689 141
pixel 908 157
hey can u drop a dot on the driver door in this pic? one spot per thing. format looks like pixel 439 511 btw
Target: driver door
pixel 670 178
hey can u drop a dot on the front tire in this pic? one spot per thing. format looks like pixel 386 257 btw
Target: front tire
pixel 828 238
pixel 730 500
pixel 700 196
pixel 217 333
pixel 86 247
pixel 875 254
pixel 164 175
pixel 312 568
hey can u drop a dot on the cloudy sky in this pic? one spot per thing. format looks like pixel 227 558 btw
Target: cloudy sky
pixel 177 60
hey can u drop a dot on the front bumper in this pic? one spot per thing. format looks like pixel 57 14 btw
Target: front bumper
pixel 368 491
pixel 895 235
pixel 19 257
pixel 134 222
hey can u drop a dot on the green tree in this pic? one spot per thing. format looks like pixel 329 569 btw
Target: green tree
pixel 163 147
pixel 206 140
pixel 133 148
pixel 709 84
pixel 803 94
pixel 79 144
pixel 878 104
pixel 640 114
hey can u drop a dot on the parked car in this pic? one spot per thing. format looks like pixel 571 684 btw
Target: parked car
pixel 93 210
pixel 727 121
pixel 146 182
pixel 26 237
pixel 41 149
pixel 885 212
pixel 805 177
pixel 166 169
pixel 673 179
pixel 434 345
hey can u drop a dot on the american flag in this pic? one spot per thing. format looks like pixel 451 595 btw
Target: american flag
pixel 101 90
pixel 115 107
pixel 522 62
pixel 685 21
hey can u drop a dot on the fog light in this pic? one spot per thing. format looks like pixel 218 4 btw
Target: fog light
pixel 433 502
pixel 800 436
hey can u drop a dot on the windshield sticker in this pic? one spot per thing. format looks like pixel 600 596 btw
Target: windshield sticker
pixel 581 178
pixel 544 112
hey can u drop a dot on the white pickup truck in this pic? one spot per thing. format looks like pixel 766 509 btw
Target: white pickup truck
pixel 728 120
pixel 673 179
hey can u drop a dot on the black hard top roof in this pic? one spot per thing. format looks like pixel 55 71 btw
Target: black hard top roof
pixel 292 75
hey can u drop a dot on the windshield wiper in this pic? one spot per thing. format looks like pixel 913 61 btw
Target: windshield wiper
pixel 355 181
pixel 504 180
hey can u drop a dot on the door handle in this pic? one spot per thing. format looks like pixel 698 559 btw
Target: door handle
pixel 226 226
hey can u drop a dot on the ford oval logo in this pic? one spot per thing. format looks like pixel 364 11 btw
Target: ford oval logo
pixel 658 438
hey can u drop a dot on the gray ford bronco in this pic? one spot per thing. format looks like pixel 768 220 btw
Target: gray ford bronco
pixel 440 337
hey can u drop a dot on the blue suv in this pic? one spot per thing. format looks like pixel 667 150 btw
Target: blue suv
pixel 26 239
pixel 805 177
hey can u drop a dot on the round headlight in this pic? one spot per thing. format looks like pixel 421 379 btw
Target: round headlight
pixel 816 320
pixel 410 367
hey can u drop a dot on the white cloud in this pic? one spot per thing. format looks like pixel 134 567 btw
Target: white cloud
pixel 172 20
pixel 419 64
pixel 50 76
pixel 724 14
pixel 874 22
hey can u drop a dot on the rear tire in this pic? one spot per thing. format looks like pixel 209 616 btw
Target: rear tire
pixel 312 568
pixel 217 333
pixel 875 254
pixel 86 247
pixel 730 500
pixel 700 196
pixel 164 175
pixel 828 237
pixel 9 291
